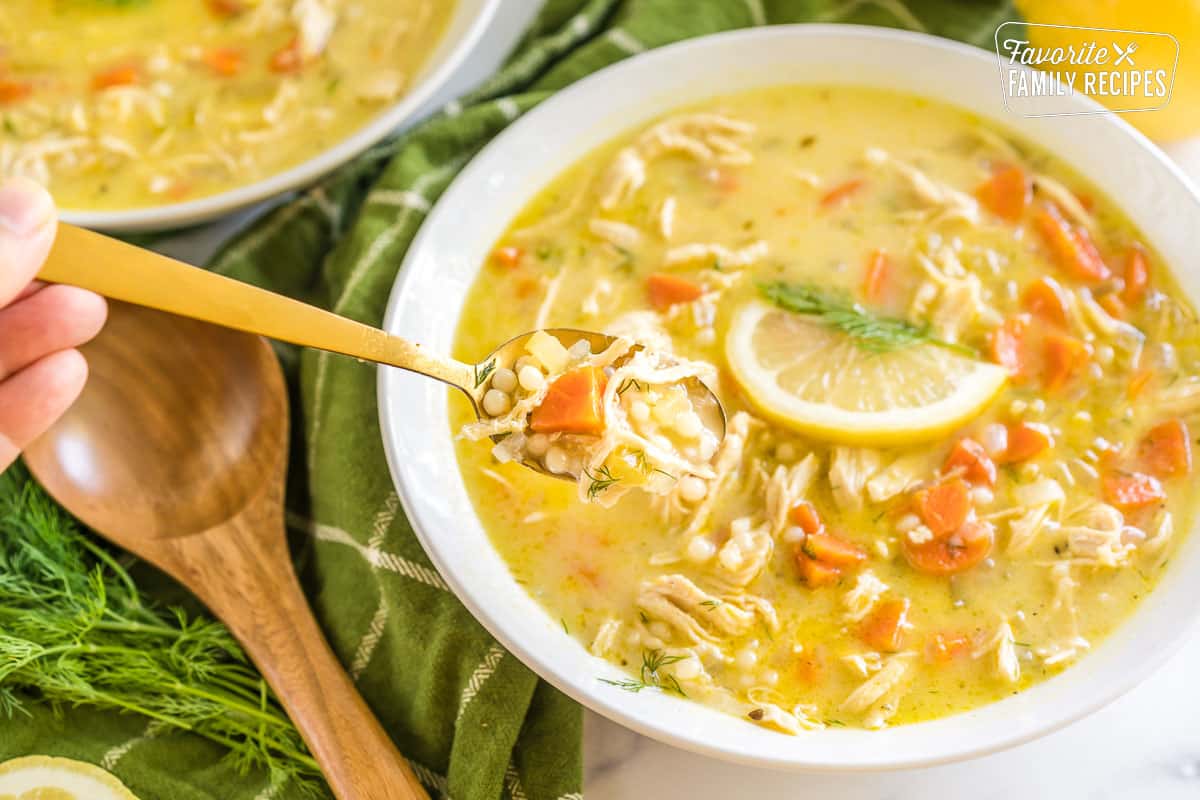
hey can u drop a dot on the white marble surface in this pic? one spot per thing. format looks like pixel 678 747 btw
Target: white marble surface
pixel 1146 746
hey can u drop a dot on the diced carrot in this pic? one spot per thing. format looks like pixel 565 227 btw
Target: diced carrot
pixel 816 574
pixel 976 465
pixel 1065 358
pixel 1026 440
pixel 11 91
pixel 225 61
pixel 943 507
pixel 1138 382
pixel 810 665
pixel 841 193
pixel 1007 193
pixel 1167 449
pixel 1047 299
pixel 884 629
pixel 226 8
pixel 727 182
pixel 832 550
pixel 942 647
pixel 1113 304
pixel 1137 275
pixel 572 404
pixel 121 75
pixel 508 256
pixel 1071 246
pixel 1007 344
pixel 288 58
pixel 1133 490
pixel 879 266
pixel 667 290
pixel 949 555
pixel 804 514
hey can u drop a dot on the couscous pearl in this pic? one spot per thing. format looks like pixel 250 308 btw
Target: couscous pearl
pixel 748 680
pixel 496 402
pixel 700 549
pixel 746 659
pixel 706 337
pixel 688 669
pixel 1104 355
pixel 532 379
pixel 659 629
pixel 692 489
pixel 982 496
pixel 639 411
pixel 653 643
pixel 524 361
pixel 634 638
pixel 557 460
pixel 504 379
pixel 1038 406
pixel 689 425
pixel 793 534
pixel 786 453
pixel 907 523
pixel 770 677
pixel 538 444
pixel 995 439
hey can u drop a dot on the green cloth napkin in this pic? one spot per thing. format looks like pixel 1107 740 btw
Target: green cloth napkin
pixel 475 723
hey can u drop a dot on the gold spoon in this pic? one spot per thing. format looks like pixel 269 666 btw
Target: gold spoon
pixel 177 452
pixel 123 272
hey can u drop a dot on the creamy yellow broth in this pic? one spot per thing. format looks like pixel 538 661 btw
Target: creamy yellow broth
pixel 1041 608
pixel 124 103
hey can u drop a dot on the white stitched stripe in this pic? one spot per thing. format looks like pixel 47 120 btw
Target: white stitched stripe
pixel 110 759
pixel 404 199
pixel 513 781
pixel 276 782
pixel 244 248
pixel 572 796
pixel 430 778
pixel 370 639
pixel 383 520
pixel 624 40
pixel 479 677
pixel 373 556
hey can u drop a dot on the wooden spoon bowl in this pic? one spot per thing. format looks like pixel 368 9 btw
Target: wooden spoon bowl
pixel 177 452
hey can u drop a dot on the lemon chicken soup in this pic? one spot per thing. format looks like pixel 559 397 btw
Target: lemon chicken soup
pixel 123 103
pixel 959 391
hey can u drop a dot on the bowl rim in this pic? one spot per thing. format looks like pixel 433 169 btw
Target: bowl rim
pixel 203 209
pixel 657 723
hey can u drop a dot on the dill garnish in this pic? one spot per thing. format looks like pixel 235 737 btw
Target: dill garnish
pixel 627 384
pixel 877 334
pixel 600 481
pixel 652 662
pixel 481 375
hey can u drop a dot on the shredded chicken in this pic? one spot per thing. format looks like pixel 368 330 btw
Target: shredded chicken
pixel 952 297
pixel 1070 644
pixel 1095 536
pixel 725 468
pixel 1034 501
pixel 947 202
pixel 1002 647
pixel 719 254
pixel 878 697
pixel 605 642
pixel 745 553
pixel 862 598
pixel 692 612
pixel 849 470
pixel 770 715
pixel 618 234
pixel 898 477
pixel 1066 200
pixel 786 487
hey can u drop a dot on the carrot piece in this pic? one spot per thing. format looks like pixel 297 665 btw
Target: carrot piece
pixel 832 550
pixel 841 193
pixel 1071 246
pixel 1026 440
pixel 810 666
pixel 1007 344
pixel 1007 193
pixel 884 629
pixel 225 8
pixel 122 75
pixel 1133 490
pixel 1066 357
pixel 572 404
pixel 949 555
pixel 667 290
pixel 944 507
pixel 1167 448
pixel 942 647
pixel 816 574
pixel 225 61
pixel 1139 382
pixel 1137 275
pixel 969 456
pixel 1047 299
pixel 804 514
pixel 11 91
pixel 879 266
pixel 508 256
pixel 1113 304
pixel 288 58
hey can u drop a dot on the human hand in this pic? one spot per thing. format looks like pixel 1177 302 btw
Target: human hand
pixel 41 373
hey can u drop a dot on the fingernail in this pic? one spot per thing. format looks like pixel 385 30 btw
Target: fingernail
pixel 25 207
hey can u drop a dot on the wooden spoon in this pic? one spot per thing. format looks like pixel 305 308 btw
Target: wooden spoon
pixel 177 452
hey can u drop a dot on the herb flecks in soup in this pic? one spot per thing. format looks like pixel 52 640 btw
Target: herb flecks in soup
pixel 125 104
pixel 959 394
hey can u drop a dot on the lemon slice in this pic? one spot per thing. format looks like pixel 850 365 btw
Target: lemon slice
pixel 48 778
pixel 816 380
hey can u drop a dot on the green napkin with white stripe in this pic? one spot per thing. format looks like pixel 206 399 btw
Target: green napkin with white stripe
pixel 474 722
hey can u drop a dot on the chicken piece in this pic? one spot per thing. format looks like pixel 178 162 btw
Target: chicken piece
pixel 1095 536
pixel 863 596
pixel 786 487
pixel 618 234
pixel 947 202
pixel 849 470
pixel 772 716
pixel 604 644
pixel 692 612
pixel 878 697
pixel 1070 643
pixel 898 477
pixel 955 299
pixel 726 466
pixel 1002 646
pixel 623 179
pixel 720 255
pixel 315 21
pixel 744 553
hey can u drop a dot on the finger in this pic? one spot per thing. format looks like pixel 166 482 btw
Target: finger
pixel 27 226
pixel 55 318
pixel 35 397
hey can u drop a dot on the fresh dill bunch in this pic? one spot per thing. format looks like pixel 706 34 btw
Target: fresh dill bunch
pixel 76 630
pixel 872 332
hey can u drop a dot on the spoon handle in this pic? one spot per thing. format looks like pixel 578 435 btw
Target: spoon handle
pixel 121 271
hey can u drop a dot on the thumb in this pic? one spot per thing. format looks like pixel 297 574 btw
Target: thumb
pixel 27 226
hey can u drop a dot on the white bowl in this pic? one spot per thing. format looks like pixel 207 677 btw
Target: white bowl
pixel 472 214
pixel 470 20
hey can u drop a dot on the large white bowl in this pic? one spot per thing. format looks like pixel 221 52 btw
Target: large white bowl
pixel 477 208
pixel 471 18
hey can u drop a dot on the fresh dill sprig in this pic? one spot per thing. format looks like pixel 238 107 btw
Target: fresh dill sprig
pixel 627 384
pixel 650 676
pixel 600 481
pixel 75 630
pixel 481 375
pixel 872 332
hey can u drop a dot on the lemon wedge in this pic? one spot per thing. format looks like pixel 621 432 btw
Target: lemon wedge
pixel 816 380
pixel 48 778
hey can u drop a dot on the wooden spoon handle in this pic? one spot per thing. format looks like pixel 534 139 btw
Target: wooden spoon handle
pixel 247 580
pixel 121 271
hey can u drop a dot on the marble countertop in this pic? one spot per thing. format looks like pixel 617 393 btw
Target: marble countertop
pixel 1145 746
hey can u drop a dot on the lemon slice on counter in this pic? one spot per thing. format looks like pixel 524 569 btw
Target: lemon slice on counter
pixel 816 380
pixel 48 778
